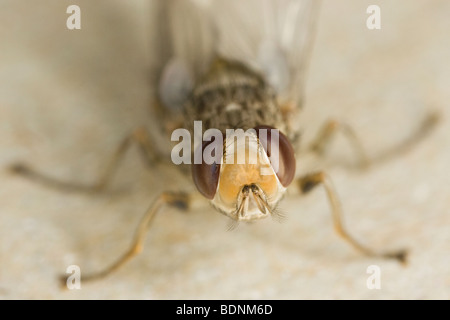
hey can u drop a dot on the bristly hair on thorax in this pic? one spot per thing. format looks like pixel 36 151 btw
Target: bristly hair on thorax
pixel 233 96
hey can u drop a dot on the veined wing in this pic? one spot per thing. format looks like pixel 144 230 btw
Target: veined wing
pixel 272 36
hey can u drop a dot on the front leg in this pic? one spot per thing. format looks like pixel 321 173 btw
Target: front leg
pixel 308 182
pixel 180 200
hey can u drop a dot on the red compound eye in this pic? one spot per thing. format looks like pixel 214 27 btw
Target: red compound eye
pixel 206 176
pixel 286 158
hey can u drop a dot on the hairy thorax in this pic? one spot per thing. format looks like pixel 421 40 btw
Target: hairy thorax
pixel 232 96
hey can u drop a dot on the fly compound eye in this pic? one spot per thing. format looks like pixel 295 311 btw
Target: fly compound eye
pixel 285 164
pixel 206 174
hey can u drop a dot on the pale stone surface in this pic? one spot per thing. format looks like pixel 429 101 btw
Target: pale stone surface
pixel 68 97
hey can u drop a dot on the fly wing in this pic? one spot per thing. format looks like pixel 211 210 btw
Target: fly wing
pixel 183 44
pixel 272 36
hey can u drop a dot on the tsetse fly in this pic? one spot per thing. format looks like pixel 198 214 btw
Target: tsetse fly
pixel 229 65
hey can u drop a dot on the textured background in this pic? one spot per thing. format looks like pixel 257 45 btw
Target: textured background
pixel 68 97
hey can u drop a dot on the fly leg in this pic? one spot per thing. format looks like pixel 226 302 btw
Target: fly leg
pixel 308 182
pixel 425 127
pixel 180 200
pixel 139 136
pixel 329 130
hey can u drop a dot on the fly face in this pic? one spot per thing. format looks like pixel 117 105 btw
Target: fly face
pixel 247 186
pixel 247 190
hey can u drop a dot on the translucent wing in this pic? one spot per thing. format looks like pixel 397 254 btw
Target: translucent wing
pixel 181 47
pixel 272 36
